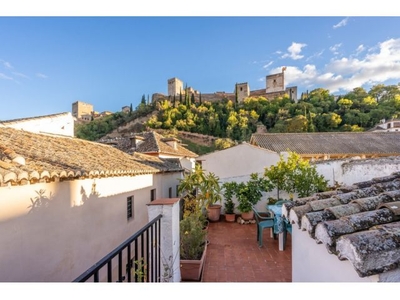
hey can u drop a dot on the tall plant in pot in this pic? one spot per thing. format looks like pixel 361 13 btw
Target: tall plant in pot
pixel 202 193
pixel 193 247
pixel 249 193
pixel 229 205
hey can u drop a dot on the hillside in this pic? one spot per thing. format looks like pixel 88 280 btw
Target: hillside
pixel 201 124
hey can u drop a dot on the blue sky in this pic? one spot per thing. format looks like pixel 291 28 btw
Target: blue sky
pixel 47 63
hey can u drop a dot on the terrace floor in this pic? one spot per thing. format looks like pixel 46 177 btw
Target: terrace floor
pixel 233 255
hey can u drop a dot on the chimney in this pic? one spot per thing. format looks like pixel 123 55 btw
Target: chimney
pixel 171 141
pixel 261 128
pixel 136 140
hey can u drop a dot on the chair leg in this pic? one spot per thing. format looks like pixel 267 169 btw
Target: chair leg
pixel 260 242
pixel 258 230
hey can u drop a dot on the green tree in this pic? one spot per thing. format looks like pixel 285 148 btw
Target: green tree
pixel 295 175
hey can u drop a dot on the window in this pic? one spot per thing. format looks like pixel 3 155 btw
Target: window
pixel 177 191
pixel 170 192
pixel 153 195
pixel 129 208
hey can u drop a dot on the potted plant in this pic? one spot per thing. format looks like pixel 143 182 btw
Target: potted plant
pixel 193 247
pixel 249 193
pixel 211 193
pixel 229 205
pixel 202 192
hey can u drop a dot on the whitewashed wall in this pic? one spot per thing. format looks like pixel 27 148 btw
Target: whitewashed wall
pixel 240 160
pixel 311 262
pixel 62 124
pixel 74 227
pixel 349 171
pixel 237 163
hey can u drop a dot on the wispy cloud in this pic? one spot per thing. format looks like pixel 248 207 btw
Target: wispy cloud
pixel 268 64
pixel 294 51
pixel 360 49
pixel 4 76
pixel 378 65
pixel 6 64
pixel 262 79
pixel 341 23
pixel 20 75
pixel 335 48
pixel 40 75
pixel 315 55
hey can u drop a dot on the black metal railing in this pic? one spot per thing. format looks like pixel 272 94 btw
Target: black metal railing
pixel 136 260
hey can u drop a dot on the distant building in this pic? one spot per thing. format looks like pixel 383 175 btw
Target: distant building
pixel 387 126
pixel 81 108
pixel 175 86
pixel 274 87
pixel 242 91
pixel 126 109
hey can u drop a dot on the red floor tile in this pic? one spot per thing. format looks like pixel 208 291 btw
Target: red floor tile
pixel 233 255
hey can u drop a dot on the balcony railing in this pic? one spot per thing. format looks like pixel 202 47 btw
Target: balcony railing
pixel 136 260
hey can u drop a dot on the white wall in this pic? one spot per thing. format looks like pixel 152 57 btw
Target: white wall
pixel 74 227
pixel 237 163
pixel 349 171
pixel 239 160
pixel 311 262
pixel 62 124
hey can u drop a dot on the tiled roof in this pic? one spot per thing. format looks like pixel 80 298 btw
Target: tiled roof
pixel 152 142
pixel 26 156
pixel 6 122
pixel 360 223
pixel 356 143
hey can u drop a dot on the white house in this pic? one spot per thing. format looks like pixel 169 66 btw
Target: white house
pixel 350 234
pixel 238 162
pixel 58 124
pixel 65 202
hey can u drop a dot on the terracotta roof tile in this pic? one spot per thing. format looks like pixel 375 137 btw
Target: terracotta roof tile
pixel 360 223
pixel 331 143
pixel 49 157
pixel 151 142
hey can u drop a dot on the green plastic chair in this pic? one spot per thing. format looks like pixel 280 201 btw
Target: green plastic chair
pixel 263 220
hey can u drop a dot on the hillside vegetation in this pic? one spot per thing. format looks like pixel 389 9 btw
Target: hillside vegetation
pixel 316 111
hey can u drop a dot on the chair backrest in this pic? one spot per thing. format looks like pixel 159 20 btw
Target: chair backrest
pixel 259 215
pixel 280 202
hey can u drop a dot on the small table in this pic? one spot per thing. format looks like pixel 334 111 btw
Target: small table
pixel 279 224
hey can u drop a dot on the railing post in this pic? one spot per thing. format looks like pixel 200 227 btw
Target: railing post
pixel 169 243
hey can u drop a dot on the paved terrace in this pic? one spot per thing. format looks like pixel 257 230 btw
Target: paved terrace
pixel 233 255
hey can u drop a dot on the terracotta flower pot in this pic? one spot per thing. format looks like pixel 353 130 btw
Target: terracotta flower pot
pixel 247 215
pixel 230 218
pixel 191 270
pixel 214 212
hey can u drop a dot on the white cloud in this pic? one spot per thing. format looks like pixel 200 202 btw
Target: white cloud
pixel 341 23
pixel 3 76
pixel 294 51
pixel 360 49
pixel 335 48
pixel 378 65
pixel 20 75
pixel 268 64
pixel 40 75
pixel 262 79
pixel 6 64
pixel 315 55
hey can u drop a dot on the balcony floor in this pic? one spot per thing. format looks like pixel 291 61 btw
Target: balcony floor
pixel 233 255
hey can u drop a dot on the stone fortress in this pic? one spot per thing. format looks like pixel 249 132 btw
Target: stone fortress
pixel 275 87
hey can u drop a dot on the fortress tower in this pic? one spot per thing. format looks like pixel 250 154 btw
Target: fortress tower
pixel 275 82
pixel 175 86
pixel 242 90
